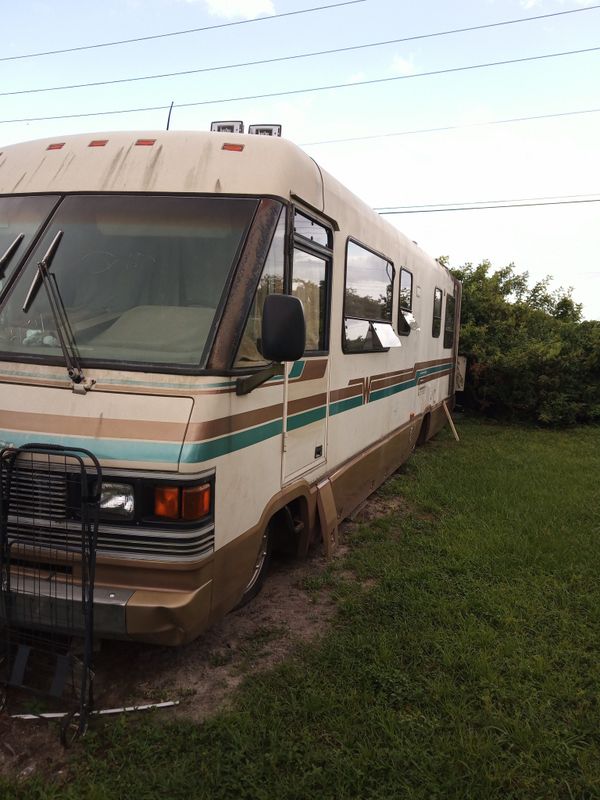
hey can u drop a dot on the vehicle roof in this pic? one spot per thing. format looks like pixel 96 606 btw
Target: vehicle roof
pixel 188 161
pixel 169 161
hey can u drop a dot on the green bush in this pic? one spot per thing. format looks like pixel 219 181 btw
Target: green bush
pixel 529 354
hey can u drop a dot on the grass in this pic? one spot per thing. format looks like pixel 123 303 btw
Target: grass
pixel 464 663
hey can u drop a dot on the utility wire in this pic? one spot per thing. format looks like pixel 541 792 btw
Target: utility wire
pixel 281 58
pixel 452 127
pixel 478 202
pixel 307 90
pixel 180 33
pixel 499 205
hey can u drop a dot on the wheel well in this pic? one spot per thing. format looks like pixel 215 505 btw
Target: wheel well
pixel 288 527
pixel 424 430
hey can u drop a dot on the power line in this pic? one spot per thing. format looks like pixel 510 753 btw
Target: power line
pixel 478 202
pixel 452 127
pixel 499 205
pixel 307 90
pixel 283 58
pixel 179 33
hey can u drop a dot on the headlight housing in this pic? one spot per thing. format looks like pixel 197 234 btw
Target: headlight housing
pixel 117 500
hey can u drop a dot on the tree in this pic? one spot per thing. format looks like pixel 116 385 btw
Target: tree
pixel 529 355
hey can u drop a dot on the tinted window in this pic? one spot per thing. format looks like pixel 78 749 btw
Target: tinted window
pixel 140 277
pixel 437 313
pixel 406 285
pixel 311 230
pixel 368 301
pixel 309 284
pixel 20 216
pixel 368 285
pixel 271 282
pixel 449 322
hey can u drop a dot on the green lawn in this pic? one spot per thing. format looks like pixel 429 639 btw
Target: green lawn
pixel 464 663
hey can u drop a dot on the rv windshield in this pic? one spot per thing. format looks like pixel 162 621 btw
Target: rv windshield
pixel 20 219
pixel 140 278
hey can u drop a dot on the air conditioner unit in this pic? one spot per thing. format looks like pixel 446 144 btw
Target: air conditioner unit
pixel 265 130
pixel 229 126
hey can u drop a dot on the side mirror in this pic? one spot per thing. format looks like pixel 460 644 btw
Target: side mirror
pixel 283 338
pixel 283 335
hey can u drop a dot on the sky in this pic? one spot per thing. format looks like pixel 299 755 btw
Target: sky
pixel 553 158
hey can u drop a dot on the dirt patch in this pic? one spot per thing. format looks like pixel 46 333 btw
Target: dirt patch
pixel 200 676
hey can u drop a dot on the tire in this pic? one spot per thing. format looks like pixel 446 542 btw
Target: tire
pixel 261 568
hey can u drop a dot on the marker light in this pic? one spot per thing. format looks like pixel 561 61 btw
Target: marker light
pixel 98 143
pixel 230 126
pixel 56 146
pixel 195 502
pixel 265 130
pixel 145 142
pixel 235 148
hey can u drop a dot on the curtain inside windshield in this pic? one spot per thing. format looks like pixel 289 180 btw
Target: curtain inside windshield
pixel 140 277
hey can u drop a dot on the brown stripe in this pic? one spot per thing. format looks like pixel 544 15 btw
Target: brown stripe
pixel 418 365
pixel 306 403
pixel 235 422
pixel 313 369
pixel 434 377
pixel 346 392
pixel 98 427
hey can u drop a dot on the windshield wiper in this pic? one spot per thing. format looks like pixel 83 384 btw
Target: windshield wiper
pixel 57 307
pixel 9 253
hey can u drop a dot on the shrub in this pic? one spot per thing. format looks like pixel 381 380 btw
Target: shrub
pixel 529 355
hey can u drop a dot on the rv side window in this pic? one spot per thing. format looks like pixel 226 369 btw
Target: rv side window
pixel 310 230
pixel 449 322
pixel 309 283
pixel 367 301
pixel 406 288
pixel 310 278
pixel 437 313
pixel 271 282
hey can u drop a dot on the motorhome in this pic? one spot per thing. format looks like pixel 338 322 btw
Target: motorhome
pixel 243 348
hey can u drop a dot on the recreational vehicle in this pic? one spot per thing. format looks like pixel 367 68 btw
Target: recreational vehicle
pixel 209 348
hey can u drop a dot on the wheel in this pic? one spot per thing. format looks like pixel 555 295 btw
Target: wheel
pixel 261 567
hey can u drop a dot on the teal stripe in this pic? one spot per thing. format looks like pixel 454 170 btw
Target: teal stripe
pixel 345 405
pixel 380 394
pixel 104 449
pixel 306 418
pixel 202 451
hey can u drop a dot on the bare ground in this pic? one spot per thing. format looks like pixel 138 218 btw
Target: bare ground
pixel 202 675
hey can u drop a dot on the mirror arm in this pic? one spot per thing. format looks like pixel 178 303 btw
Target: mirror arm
pixel 251 382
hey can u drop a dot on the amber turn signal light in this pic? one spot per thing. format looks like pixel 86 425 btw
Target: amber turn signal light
pixel 177 502
pixel 166 501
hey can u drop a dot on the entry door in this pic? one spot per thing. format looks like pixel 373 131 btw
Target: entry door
pixel 306 385
pixel 305 421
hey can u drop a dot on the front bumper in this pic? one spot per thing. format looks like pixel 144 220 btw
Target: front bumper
pixel 156 616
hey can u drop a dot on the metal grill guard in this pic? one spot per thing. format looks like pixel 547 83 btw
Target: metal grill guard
pixel 47 582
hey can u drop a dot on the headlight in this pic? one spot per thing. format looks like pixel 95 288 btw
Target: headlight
pixel 117 499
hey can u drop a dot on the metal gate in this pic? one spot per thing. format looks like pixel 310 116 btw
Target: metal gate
pixel 49 504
